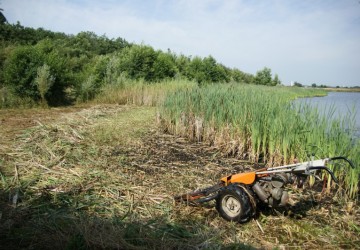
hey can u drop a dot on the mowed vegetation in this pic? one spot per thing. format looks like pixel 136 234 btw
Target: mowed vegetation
pixel 104 176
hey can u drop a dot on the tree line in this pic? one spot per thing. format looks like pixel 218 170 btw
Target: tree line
pixel 57 69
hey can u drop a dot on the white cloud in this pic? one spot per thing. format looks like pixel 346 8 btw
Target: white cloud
pixel 306 41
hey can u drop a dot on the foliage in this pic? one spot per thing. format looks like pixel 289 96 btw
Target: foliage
pixel 263 77
pixel 5 52
pixel 182 62
pixel 297 84
pixel 18 34
pixel 276 81
pixel 164 66
pixel 2 17
pixel 9 100
pixel 214 71
pixel 87 89
pixel 137 62
pixel 195 70
pixel 143 62
pixel 89 43
pixel 206 70
pixel 44 80
pixel 20 72
pixel 82 64
pixel 241 77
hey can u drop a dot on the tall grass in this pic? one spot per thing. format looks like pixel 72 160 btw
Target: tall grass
pixel 262 124
pixel 139 92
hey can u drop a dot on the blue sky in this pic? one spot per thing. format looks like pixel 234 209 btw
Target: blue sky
pixel 309 41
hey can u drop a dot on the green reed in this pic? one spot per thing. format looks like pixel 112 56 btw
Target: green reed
pixel 263 125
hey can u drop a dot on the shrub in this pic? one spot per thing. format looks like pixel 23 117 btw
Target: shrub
pixel 21 71
pixel 44 80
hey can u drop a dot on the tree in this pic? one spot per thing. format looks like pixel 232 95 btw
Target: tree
pixel 276 81
pixel 214 72
pixel 44 80
pixel 237 75
pixel 195 70
pixel 111 72
pixel 21 70
pixel 164 66
pixel 207 70
pixel 2 17
pixel 297 84
pixel 263 77
pixel 87 89
pixel 137 62
pixel 182 64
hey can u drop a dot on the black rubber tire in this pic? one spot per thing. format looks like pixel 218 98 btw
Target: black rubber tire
pixel 233 204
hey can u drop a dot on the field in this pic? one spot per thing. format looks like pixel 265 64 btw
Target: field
pixel 104 176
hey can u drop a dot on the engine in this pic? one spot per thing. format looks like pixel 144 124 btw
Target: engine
pixel 270 190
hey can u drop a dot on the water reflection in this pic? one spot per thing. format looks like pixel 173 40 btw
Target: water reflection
pixel 338 105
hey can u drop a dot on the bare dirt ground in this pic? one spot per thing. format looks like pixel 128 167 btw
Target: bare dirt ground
pixel 68 172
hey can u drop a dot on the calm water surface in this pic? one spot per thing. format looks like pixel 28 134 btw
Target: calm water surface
pixel 344 103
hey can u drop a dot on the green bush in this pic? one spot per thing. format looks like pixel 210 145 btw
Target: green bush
pixel 164 66
pixel 263 77
pixel 143 62
pixel 97 72
pixel 137 62
pixel 20 72
pixel 207 70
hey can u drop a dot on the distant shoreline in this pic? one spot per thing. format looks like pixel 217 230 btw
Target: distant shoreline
pixel 342 89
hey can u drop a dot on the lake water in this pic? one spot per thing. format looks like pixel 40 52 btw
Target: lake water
pixel 344 103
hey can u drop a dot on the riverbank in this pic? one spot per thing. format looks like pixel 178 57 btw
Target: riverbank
pixel 343 89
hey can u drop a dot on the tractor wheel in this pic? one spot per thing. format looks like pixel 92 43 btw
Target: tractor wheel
pixel 233 204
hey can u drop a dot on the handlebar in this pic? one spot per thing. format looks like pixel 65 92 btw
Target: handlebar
pixel 343 158
pixel 327 170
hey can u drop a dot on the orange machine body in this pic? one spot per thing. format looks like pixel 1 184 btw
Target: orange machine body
pixel 244 178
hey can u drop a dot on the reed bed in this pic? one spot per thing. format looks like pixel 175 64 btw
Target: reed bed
pixel 263 125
